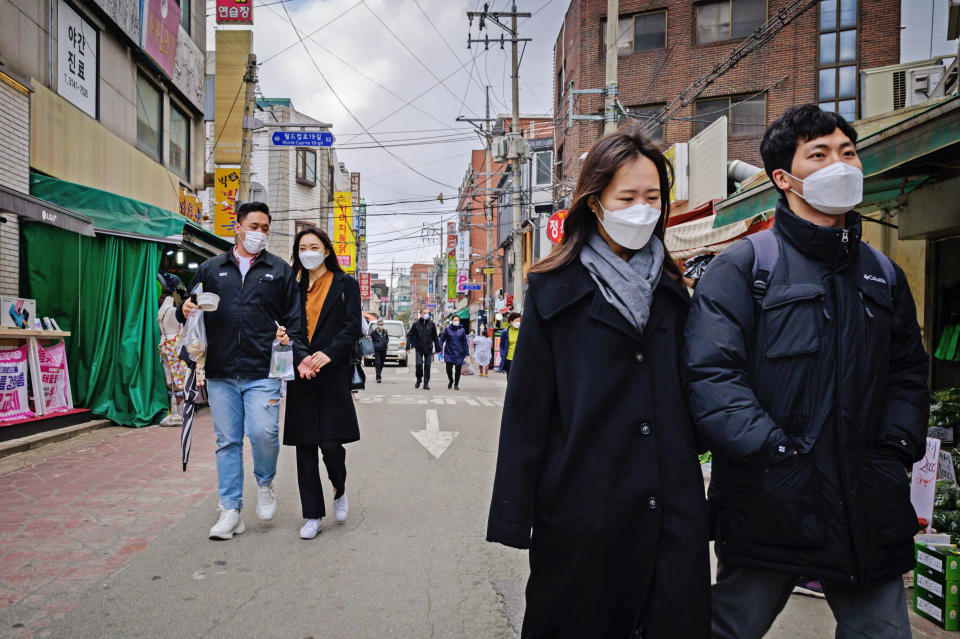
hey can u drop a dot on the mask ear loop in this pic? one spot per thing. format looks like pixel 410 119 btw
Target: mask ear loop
pixel 799 195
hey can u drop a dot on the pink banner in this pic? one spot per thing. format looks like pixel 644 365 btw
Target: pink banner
pixel 14 403
pixel 159 26
pixel 53 372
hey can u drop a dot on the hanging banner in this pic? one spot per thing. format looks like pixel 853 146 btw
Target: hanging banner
pixel 234 11
pixel 233 47
pixel 159 26
pixel 190 207
pixel 78 44
pixel 343 241
pixel 225 188
pixel 53 374
pixel 452 275
pixel 13 385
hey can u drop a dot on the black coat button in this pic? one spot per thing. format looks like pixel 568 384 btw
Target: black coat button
pixel 644 428
pixel 652 503
pixel 639 357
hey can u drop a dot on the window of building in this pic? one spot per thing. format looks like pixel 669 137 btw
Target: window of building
pixel 642 32
pixel 838 57
pixel 745 116
pixel 185 15
pixel 306 167
pixel 642 115
pixel 179 142
pixel 149 118
pixel 729 19
pixel 544 168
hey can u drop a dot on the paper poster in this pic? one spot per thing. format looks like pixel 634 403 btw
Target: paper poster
pixel 14 402
pixel 53 373
pixel 947 470
pixel 924 483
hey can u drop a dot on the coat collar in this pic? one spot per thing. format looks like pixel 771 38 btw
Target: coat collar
pixel 564 287
pixel 819 242
pixel 336 286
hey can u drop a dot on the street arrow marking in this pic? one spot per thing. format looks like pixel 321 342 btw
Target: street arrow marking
pixel 436 441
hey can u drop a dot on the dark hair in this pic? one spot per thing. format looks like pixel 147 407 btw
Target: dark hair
pixel 796 126
pixel 252 207
pixel 603 160
pixel 331 262
pixel 513 315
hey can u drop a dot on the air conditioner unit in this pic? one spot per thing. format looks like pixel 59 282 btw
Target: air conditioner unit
pixel 894 87
pixel 500 149
pixel 921 83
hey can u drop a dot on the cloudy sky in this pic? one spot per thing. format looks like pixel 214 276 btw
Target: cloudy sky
pixel 374 56
pixel 377 55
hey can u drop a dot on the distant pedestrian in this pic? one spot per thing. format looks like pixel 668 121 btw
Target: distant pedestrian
pixel 454 347
pixel 422 337
pixel 380 343
pixel 597 454
pixel 483 351
pixel 508 342
pixel 256 289
pixel 320 412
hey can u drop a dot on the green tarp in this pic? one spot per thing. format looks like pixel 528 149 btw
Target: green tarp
pixel 109 212
pixel 103 290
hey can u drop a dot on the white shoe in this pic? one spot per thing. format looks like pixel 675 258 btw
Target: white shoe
pixel 340 509
pixel 230 524
pixel 311 529
pixel 266 502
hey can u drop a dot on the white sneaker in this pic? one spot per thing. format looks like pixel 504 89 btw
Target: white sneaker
pixel 311 529
pixel 266 502
pixel 340 509
pixel 230 524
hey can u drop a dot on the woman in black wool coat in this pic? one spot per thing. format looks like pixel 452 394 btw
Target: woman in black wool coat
pixel 597 453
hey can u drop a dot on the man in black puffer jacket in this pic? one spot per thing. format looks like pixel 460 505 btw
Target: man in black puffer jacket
pixel 809 383
pixel 422 337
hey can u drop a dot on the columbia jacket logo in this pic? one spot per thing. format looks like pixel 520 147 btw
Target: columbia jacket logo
pixel 874 278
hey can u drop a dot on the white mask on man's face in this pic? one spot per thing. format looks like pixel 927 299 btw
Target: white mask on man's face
pixel 834 189
pixel 253 241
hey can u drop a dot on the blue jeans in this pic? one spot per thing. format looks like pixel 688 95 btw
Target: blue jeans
pixel 251 407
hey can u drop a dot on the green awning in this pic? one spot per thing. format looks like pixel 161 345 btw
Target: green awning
pixel 918 133
pixel 463 313
pixel 111 213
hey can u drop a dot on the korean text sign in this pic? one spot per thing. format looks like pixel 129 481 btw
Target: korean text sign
pixel 77 49
pixel 343 242
pixel 234 11
pixel 225 188
pixel 159 27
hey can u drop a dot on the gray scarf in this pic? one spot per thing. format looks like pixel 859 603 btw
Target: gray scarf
pixel 627 285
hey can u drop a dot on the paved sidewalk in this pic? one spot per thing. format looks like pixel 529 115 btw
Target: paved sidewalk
pixel 68 521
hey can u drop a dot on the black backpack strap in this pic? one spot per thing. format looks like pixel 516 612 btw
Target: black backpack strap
pixel 766 253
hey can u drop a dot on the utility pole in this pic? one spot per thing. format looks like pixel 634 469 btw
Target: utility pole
pixel 512 30
pixel 246 153
pixel 488 216
pixel 612 89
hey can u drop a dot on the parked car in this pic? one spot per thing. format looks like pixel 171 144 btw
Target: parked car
pixel 397 347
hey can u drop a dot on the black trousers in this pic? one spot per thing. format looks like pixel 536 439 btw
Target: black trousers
pixel 423 366
pixel 506 366
pixel 450 372
pixel 379 357
pixel 308 475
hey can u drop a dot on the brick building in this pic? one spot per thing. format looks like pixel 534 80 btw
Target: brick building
pixel 420 275
pixel 665 45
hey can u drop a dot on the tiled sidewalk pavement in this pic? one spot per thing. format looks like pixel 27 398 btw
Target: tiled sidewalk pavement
pixel 70 520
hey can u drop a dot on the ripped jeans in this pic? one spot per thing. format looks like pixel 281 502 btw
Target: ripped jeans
pixel 251 407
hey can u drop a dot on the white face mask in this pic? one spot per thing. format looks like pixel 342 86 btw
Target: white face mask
pixel 254 241
pixel 455 324
pixel 312 259
pixel 425 316
pixel 516 324
pixel 834 189
pixel 631 227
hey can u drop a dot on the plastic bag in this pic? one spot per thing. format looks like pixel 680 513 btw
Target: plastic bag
pixel 281 361
pixel 192 342
pixel 366 345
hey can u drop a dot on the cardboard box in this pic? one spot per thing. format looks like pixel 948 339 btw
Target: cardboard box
pixel 25 307
pixel 934 584
pixel 942 560
pixel 934 609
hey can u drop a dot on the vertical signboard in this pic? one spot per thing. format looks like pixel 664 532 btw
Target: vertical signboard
pixel 451 277
pixel 343 241
pixel 233 47
pixel 159 26
pixel 364 286
pixel 225 188
pixel 190 207
pixel 78 47
pixel 234 11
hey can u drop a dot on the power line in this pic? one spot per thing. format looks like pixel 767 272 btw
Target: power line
pixel 312 33
pixel 347 109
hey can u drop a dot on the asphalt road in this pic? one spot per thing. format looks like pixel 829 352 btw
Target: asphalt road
pixel 410 561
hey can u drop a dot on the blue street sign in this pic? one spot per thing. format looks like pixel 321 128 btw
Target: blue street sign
pixel 472 287
pixel 432 305
pixel 302 138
